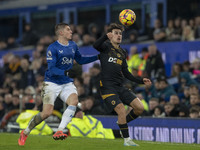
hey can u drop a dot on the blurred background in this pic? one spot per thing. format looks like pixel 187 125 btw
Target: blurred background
pixel 163 44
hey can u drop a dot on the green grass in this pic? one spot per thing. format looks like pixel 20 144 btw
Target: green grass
pixel 8 141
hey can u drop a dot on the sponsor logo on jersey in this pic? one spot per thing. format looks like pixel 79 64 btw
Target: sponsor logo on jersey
pixel 49 55
pixel 60 51
pixel 66 60
pixel 115 60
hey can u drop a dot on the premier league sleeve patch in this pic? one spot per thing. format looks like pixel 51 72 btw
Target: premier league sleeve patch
pixel 49 55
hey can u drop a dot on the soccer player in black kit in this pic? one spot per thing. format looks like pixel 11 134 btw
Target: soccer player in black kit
pixel 114 69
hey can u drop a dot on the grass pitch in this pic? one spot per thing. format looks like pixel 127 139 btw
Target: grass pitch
pixel 8 141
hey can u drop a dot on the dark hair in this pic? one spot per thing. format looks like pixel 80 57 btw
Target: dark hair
pixel 115 26
pixel 60 26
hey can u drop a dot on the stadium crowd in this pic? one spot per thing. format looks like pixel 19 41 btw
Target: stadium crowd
pixel 176 30
pixel 175 96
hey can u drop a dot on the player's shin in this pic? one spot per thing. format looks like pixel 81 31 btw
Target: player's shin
pixel 131 116
pixel 37 119
pixel 124 130
pixel 67 117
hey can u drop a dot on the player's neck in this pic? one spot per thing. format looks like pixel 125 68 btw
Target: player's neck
pixel 63 41
pixel 116 45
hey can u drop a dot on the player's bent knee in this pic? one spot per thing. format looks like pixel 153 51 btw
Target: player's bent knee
pixel 139 110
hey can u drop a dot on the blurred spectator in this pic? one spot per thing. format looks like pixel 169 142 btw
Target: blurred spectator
pixel 94 31
pixel 89 107
pixel 185 97
pixel 94 84
pixel 8 102
pixel 3 45
pixel 14 66
pixel 86 40
pixel 132 37
pixel 176 34
pixel 86 81
pixel 134 59
pixel 185 80
pixel 30 37
pixel 142 65
pixel 27 76
pixel 183 111
pixel 11 43
pixel 174 99
pixel 193 89
pixel 166 90
pixel 184 23
pixel 187 34
pixel 80 30
pixel 76 38
pixel 194 100
pixel 186 66
pixel 176 69
pixel 192 24
pixel 169 30
pixel 159 32
pixel 197 27
pixel 196 66
pixel 170 110
pixel 194 112
pixel 158 112
pixel 38 103
pixel 155 66
pixel 15 101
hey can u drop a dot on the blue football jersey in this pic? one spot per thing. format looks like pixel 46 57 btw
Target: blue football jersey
pixel 60 58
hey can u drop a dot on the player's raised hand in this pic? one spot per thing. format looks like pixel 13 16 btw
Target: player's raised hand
pixel 109 35
pixel 147 81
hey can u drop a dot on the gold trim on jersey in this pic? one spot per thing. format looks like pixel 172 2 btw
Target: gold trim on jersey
pixel 106 96
pixel 101 84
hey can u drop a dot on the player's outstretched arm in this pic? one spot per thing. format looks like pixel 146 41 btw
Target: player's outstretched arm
pixel 99 43
pixel 84 60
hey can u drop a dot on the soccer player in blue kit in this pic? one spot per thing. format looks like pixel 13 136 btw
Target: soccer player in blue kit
pixel 57 82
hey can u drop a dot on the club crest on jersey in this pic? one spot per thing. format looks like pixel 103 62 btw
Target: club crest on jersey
pixel 118 55
pixel 60 51
pixel 73 51
pixel 66 60
pixel 49 55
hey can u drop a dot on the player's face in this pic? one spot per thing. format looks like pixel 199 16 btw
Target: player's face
pixel 117 36
pixel 67 33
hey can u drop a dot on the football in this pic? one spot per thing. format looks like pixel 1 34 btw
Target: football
pixel 127 17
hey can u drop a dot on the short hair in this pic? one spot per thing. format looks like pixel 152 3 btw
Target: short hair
pixel 60 26
pixel 195 109
pixel 154 99
pixel 194 86
pixel 115 26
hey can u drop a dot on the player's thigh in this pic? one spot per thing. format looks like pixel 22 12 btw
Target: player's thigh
pixel 127 96
pixel 137 105
pixel 49 92
pixel 110 97
pixel 69 94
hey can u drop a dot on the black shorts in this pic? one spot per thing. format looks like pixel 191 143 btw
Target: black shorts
pixel 114 95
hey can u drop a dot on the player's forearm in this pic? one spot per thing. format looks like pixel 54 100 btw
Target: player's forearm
pixel 86 60
pixel 100 41
pixel 129 76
